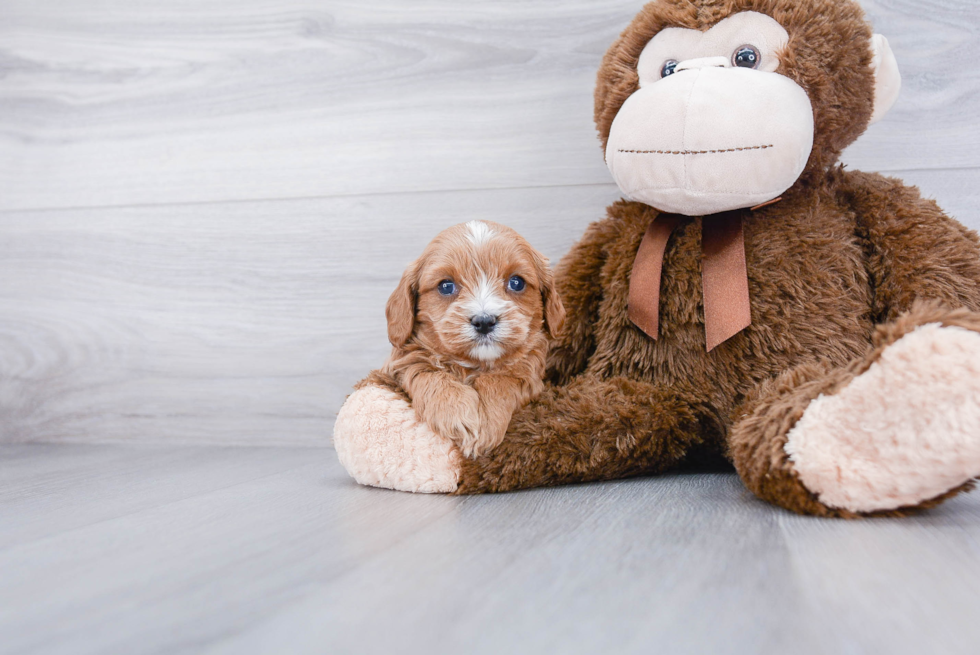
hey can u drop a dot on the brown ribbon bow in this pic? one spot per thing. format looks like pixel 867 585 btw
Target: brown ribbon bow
pixel 723 276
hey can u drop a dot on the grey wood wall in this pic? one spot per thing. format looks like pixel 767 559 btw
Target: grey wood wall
pixel 204 204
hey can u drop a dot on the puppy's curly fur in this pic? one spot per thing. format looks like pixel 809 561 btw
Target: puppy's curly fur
pixel 470 323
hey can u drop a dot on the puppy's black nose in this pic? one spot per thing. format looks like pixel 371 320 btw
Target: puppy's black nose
pixel 484 323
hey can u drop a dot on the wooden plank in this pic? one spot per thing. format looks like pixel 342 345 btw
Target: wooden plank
pixel 179 568
pixel 674 564
pixel 239 323
pixel 303 560
pixel 142 103
pixel 221 323
pixel 928 37
pixel 957 192
pixel 39 483
pixel 882 586
pixel 671 564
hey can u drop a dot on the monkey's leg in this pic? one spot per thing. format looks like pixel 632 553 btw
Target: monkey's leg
pixel 590 430
pixel 897 430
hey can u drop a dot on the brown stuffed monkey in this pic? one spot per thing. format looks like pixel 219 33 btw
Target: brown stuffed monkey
pixel 752 300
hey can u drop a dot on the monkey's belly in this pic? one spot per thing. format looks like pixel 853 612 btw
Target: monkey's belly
pixel 810 300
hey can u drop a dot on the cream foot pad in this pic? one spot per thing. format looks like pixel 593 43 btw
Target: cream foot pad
pixel 905 431
pixel 381 444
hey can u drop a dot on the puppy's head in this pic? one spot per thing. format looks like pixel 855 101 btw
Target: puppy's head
pixel 478 294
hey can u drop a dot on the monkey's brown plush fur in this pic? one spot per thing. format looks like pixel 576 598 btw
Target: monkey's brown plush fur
pixel 843 267
pixel 854 391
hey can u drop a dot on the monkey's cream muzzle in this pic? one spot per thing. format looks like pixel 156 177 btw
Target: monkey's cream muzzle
pixel 713 126
pixel 711 138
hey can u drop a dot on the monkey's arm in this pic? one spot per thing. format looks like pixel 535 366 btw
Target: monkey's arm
pixel 590 430
pixel 914 250
pixel 577 278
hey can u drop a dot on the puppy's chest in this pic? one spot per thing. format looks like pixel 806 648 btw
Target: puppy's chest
pixel 463 372
pixel 468 375
pixel 808 291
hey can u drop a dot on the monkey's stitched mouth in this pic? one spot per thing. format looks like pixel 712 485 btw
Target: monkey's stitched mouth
pixel 693 152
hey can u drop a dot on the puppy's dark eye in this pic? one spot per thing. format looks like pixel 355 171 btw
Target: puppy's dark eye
pixel 668 67
pixel 447 287
pixel 516 283
pixel 748 56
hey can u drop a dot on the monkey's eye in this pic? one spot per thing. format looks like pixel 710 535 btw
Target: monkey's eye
pixel 747 56
pixel 516 283
pixel 668 67
pixel 447 287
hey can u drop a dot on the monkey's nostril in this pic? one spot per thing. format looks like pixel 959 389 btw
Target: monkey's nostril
pixel 484 323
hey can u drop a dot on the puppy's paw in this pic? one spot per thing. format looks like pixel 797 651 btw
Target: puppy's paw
pixel 454 413
pixel 493 428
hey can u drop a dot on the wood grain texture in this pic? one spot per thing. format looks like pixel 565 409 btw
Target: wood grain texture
pixel 203 207
pixel 221 323
pixel 159 102
pixel 322 144
pixel 280 552
pixel 239 323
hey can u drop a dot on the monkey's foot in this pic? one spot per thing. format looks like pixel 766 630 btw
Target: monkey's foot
pixel 381 444
pixel 903 432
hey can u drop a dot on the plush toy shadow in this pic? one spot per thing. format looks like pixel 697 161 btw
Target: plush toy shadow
pixel 815 326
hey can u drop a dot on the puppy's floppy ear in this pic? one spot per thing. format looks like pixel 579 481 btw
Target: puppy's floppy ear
pixel 554 310
pixel 400 310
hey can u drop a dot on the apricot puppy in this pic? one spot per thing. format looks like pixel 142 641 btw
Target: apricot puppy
pixel 470 324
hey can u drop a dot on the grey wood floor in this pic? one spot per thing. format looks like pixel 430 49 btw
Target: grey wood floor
pixel 203 207
pixel 167 549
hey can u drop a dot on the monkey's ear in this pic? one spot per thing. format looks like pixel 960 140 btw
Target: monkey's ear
pixel 888 81
pixel 400 310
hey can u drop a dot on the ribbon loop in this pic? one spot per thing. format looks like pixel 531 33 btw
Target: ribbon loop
pixel 644 299
pixel 724 277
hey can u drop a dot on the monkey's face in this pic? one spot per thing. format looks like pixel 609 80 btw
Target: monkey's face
pixel 716 119
pixel 712 126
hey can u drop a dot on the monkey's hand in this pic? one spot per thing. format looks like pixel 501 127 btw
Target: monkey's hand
pixel 380 443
